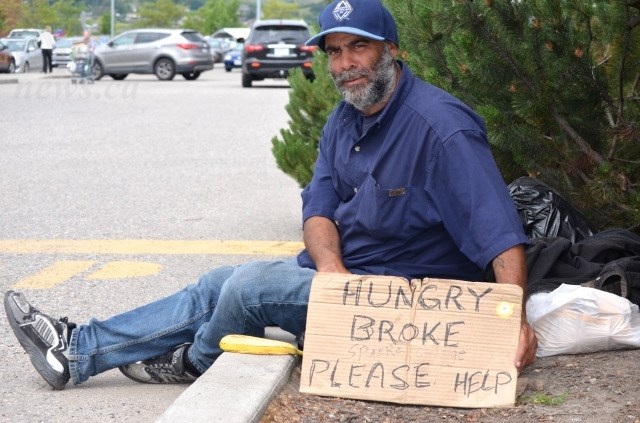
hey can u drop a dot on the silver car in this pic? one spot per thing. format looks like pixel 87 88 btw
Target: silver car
pixel 61 54
pixel 163 52
pixel 26 53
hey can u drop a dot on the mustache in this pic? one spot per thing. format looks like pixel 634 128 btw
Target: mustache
pixel 348 75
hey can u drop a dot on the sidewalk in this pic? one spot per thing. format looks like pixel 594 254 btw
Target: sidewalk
pixel 236 389
pixel 15 78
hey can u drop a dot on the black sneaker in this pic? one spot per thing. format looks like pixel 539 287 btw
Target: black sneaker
pixel 166 368
pixel 45 339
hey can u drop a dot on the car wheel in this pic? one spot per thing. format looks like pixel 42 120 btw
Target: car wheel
pixel 191 76
pixel 26 68
pixel 12 66
pixel 164 69
pixel 228 68
pixel 246 80
pixel 119 76
pixel 98 70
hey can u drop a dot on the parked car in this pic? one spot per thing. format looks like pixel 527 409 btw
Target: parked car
pixel 273 48
pixel 233 58
pixel 26 53
pixel 163 52
pixel 61 54
pixel 25 33
pixel 7 61
pixel 218 46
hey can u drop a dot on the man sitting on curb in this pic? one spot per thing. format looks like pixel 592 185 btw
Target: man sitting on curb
pixel 404 185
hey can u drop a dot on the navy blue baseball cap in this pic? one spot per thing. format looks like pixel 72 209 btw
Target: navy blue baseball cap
pixel 367 18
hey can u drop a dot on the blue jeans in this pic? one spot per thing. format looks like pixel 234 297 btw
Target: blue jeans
pixel 229 300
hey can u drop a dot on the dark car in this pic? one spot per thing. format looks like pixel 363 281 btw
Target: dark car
pixel 273 48
pixel 7 62
pixel 162 52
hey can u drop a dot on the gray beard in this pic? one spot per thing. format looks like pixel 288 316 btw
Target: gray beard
pixel 380 87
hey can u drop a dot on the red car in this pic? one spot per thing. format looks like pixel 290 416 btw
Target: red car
pixel 7 62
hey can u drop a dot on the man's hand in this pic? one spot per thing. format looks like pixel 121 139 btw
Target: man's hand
pixel 510 267
pixel 527 346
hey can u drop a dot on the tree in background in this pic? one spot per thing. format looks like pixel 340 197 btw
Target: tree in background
pixel 62 14
pixel 104 23
pixel 161 13
pixel 309 107
pixel 279 9
pixel 310 104
pixel 36 14
pixel 67 16
pixel 214 15
pixel 556 82
pixel 10 15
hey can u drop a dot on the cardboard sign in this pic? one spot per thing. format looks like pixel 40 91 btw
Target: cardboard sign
pixel 431 342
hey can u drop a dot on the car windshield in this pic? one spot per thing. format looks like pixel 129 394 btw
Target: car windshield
pixel 64 43
pixel 215 42
pixel 24 34
pixel 277 33
pixel 14 45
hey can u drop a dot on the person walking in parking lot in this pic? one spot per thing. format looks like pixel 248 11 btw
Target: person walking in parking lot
pixel 404 185
pixel 46 43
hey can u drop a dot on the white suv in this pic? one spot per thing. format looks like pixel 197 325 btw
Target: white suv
pixel 163 52
pixel 24 33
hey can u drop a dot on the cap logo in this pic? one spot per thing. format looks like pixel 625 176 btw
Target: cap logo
pixel 342 10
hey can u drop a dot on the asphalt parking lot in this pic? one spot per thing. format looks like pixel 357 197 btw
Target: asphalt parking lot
pixel 120 192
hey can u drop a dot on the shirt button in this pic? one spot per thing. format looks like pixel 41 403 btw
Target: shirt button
pixel 357 148
pixel 355 190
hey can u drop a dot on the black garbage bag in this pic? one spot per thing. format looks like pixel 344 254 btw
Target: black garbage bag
pixel 545 213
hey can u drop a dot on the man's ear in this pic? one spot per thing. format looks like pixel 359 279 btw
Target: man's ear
pixel 393 49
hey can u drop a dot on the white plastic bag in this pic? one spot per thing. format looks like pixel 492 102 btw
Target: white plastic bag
pixel 574 319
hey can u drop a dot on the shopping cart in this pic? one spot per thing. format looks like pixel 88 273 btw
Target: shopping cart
pixel 81 67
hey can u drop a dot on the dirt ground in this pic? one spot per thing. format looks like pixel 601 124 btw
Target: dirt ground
pixel 589 388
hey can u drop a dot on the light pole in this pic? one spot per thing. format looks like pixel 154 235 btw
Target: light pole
pixel 258 10
pixel 113 17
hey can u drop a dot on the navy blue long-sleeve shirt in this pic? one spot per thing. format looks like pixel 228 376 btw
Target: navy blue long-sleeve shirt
pixel 416 193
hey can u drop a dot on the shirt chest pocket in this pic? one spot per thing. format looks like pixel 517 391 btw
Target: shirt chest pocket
pixel 385 212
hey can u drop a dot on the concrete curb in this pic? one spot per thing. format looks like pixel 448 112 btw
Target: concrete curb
pixel 33 75
pixel 236 389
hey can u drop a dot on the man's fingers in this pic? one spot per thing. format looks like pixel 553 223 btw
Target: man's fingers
pixel 527 346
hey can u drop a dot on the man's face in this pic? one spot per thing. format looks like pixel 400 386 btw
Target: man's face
pixel 363 70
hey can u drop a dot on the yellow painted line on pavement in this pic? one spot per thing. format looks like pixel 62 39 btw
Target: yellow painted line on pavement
pixel 55 274
pixel 149 246
pixel 125 269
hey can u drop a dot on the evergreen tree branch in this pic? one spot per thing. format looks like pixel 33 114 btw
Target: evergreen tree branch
pixel 626 51
pixel 495 45
pixel 577 139
pixel 612 150
pixel 634 87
